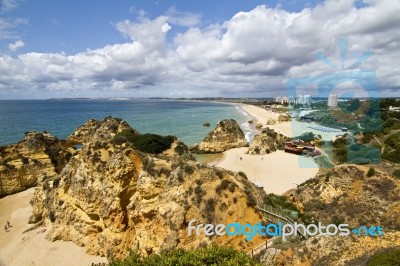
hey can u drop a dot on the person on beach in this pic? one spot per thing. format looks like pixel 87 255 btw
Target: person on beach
pixel 6 228
pixel 8 224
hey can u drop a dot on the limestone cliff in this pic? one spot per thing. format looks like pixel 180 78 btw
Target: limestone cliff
pixel 97 130
pixel 226 135
pixel 330 250
pixel 344 195
pixel 266 142
pixel 38 156
pixel 111 198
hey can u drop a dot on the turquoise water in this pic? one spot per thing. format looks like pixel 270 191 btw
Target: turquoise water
pixel 183 119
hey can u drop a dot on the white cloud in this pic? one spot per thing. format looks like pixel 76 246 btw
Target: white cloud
pixel 165 28
pixel 252 54
pixel 16 45
pixel 180 18
pixel 8 27
pixel 8 5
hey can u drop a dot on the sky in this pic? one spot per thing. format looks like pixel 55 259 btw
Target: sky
pixel 225 48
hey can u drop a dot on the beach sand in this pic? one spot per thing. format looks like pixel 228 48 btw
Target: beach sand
pixel 289 129
pixel 261 115
pixel 275 172
pixel 31 248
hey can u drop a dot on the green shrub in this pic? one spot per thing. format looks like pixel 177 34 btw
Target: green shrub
pixel 279 202
pixel 24 160
pixel 385 258
pixel 251 200
pixel 371 172
pixel 308 136
pixel 222 186
pixel 149 143
pixel 210 255
pixel 242 174
pixel 396 173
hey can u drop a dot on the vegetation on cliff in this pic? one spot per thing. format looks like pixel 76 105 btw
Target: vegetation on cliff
pixel 210 255
pixel 149 143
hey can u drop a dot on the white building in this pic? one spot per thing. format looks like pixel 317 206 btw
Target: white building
pixel 281 100
pixel 332 100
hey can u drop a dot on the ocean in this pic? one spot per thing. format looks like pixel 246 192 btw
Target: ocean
pixel 183 119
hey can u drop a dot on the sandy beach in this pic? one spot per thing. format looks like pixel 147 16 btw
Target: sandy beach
pixel 261 116
pixel 31 248
pixel 276 172
pixel 289 129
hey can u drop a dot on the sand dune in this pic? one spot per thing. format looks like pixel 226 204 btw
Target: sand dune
pixel 32 248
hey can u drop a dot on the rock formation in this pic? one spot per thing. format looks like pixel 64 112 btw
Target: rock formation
pixel 96 130
pixel 38 156
pixel 330 250
pixel 111 198
pixel 226 135
pixel 266 142
pixel 344 195
pixel 284 118
pixel 271 121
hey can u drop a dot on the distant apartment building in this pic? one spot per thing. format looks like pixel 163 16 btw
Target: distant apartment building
pixel 300 99
pixel 332 100
pixel 303 99
pixel 282 100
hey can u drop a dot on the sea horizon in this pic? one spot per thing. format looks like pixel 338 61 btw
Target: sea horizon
pixel 60 117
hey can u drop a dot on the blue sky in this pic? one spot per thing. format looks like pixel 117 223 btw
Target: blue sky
pixel 74 26
pixel 188 48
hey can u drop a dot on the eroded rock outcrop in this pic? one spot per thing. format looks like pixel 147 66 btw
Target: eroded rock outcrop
pixel 226 135
pixel 98 130
pixel 266 142
pixel 37 157
pixel 344 194
pixel 271 121
pixel 284 118
pixel 111 198
pixel 331 250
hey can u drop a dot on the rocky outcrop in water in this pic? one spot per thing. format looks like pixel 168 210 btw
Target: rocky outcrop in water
pixel 38 156
pixel 226 135
pixel 266 142
pixel 111 198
